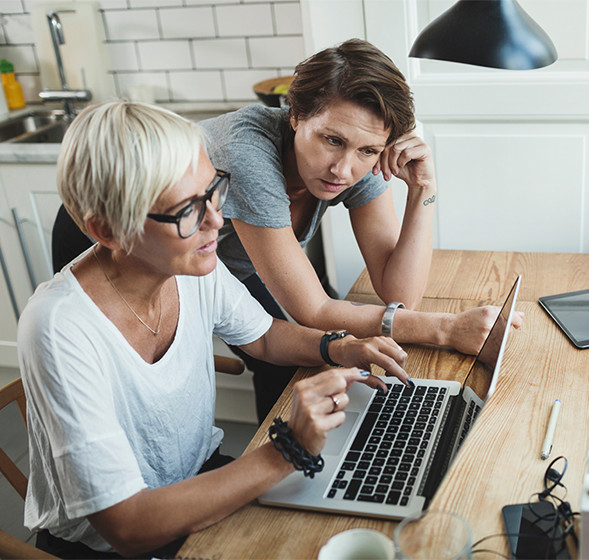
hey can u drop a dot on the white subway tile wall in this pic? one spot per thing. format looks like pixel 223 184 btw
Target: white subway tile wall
pixel 182 50
pixel 185 23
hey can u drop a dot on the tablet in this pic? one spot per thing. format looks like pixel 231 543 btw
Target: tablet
pixel 570 311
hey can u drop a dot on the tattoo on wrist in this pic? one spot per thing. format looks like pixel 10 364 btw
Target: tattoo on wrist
pixel 357 303
pixel 430 200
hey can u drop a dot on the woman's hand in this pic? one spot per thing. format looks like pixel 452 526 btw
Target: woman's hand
pixel 409 159
pixel 467 331
pixel 318 405
pixel 382 351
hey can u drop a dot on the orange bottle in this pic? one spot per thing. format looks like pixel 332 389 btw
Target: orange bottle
pixel 12 89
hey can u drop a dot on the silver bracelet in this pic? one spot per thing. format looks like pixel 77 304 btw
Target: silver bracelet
pixel 386 326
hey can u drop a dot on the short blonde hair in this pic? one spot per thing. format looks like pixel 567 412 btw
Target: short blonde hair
pixel 117 158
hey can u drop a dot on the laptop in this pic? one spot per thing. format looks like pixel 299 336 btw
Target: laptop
pixel 393 450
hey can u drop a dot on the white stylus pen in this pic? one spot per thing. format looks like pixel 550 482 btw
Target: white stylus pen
pixel 547 445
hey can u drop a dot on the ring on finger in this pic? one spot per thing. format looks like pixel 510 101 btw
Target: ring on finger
pixel 335 402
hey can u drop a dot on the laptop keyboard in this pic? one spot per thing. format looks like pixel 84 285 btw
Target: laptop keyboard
pixel 385 459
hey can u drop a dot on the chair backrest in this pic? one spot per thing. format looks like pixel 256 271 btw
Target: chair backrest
pixel 10 546
pixel 224 364
pixel 14 392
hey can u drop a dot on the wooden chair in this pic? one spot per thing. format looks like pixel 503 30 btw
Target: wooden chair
pixel 14 392
pixel 11 547
pixel 233 366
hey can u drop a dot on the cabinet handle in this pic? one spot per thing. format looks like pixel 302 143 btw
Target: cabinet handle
pixel 23 246
pixel 41 232
pixel 9 285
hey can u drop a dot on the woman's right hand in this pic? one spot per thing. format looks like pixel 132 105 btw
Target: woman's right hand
pixel 318 406
pixel 382 351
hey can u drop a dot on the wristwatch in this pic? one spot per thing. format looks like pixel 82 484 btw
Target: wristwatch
pixel 325 340
pixel 386 327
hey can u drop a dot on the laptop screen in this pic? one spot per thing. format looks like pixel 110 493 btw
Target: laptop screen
pixel 484 372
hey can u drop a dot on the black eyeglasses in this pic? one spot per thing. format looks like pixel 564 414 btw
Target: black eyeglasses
pixel 189 218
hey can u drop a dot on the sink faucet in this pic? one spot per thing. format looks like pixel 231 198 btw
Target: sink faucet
pixel 66 95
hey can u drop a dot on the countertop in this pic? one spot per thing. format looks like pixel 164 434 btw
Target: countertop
pixel 47 153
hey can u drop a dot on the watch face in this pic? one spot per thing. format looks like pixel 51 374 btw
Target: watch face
pixel 337 334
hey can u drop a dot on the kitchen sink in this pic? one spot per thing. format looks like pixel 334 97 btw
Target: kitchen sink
pixel 35 126
pixel 45 126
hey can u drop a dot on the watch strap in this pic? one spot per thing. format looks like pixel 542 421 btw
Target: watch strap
pixel 386 326
pixel 325 340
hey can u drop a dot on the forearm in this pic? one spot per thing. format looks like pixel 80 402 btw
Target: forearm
pixel 287 344
pixel 365 320
pixel 405 274
pixel 153 518
pixel 422 328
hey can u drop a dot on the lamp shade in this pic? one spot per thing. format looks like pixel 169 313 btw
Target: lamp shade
pixel 494 33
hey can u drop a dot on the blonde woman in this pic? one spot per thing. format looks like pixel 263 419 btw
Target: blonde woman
pixel 117 359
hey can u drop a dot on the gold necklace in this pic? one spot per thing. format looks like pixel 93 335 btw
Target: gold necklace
pixel 159 323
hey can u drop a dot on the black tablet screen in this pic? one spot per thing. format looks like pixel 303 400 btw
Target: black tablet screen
pixel 571 313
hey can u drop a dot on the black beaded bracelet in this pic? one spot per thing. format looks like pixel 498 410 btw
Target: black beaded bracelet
pixel 302 460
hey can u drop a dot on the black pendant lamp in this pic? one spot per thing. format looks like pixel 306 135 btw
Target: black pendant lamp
pixel 494 33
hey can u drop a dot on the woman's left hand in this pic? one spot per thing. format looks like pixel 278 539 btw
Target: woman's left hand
pixel 409 159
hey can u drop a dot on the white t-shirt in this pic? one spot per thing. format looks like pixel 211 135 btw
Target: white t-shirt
pixel 104 424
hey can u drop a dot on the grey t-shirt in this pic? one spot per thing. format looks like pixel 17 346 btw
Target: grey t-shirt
pixel 248 144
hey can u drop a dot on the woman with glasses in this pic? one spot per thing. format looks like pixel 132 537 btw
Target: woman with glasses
pixel 116 351
pixel 347 130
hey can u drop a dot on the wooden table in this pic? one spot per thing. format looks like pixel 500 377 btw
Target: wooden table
pixel 499 462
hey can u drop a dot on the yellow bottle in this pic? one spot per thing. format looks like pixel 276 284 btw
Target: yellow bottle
pixel 12 89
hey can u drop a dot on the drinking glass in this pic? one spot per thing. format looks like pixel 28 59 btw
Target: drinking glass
pixel 435 534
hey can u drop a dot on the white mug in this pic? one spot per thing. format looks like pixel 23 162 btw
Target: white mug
pixel 358 544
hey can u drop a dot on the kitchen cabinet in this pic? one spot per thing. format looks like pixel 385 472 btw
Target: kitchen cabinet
pixel 28 204
pixel 7 325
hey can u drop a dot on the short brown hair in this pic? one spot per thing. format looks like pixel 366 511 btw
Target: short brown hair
pixel 354 71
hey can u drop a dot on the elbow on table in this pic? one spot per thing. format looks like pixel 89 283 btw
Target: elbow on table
pixel 129 544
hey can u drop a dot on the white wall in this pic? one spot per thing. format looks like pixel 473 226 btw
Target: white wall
pixel 187 50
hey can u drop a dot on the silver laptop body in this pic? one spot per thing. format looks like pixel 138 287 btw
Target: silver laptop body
pixel 368 470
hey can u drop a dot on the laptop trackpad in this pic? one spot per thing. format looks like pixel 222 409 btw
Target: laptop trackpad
pixel 338 437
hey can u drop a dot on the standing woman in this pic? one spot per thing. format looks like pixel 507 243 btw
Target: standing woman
pixel 347 130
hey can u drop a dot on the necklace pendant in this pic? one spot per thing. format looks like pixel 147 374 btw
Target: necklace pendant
pixel 159 323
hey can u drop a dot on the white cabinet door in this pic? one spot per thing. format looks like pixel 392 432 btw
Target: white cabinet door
pixel 28 204
pixel 8 318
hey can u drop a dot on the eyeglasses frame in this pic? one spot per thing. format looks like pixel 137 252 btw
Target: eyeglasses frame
pixel 177 217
